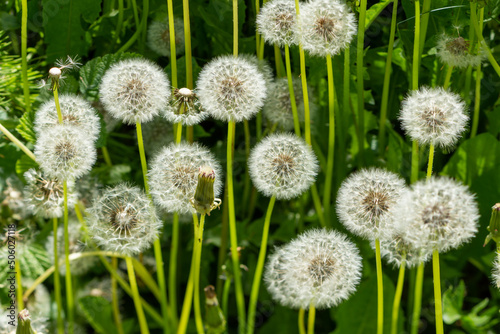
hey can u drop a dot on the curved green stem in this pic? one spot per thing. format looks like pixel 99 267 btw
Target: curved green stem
pixel 69 283
pixel 197 310
pixel 173 54
pixel 136 14
pixel 137 299
pixel 477 99
pixel 437 292
pixel 137 33
pixel 106 157
pixel 114 296
pixel 24 54
pixel 480 37
pixel 254 295
pixel 431 161
pixel 310 319
pixel 397 296
pixel 380 289
pixel 57 281
pixel 417 302
pixel 302 328
pixel 447 79
pixel 360 80
pixel 331 139
pixel 18 143
pixel 19 286
pixel 426 9
pixel 187 44
pixel 172 272
pixel 119 23
pixel 293 102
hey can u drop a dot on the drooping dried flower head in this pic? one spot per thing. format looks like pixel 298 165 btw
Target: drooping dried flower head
pixel 44 197
pixel 135 90
pixel 174 174
pixel 159 37
pixel 319 267
pixel 75 111
pixel 231 89
pixel 325 27
pixel 433 116
pixel 439 214
pixel 65 152
pixel 454 51
pixel 282 165
pixel 123 220
pixel 276 22
pixel 185 108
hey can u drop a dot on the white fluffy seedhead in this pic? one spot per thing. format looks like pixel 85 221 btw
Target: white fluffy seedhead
pixel 319 267
pixel 123 220
pixel 185 108
pixel 366 201
pixel 439 213
pixel 276 22
pixel 262 65
pixel 44 197
pixel 282 165
pixel 396 248
pixel 159 37
pixel 65 152
pixel 325 27
pixel 135 90
pixel 454 51
pixel 231 89
pixel 156 135
pixel 174 175
pixel 75 111
pixel 433 116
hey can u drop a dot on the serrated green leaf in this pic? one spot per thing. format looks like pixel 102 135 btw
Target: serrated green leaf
pixel 453 300
pixel 26 126
pixel 98 312
pixel 33 260
pixel 24 164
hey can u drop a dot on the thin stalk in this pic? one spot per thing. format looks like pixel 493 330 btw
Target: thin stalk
pixel 178 132
pixel 417 303
pixel 331 138
pixel 172 272
pixel 254 295
pixel 24 55
pixel 280 70
pixel 105 154
pixel 136 14
pixel 187 44
pixel 387 79
pixel 310 319
pixel 19 292
pixel 380 289
pixel 58 106
pixel 240 301
pixel 235 28
pixel 317 205
pixel 225 296
pixel 18 143
pixel 293 102
pixel 426 8
pixel 144 23
pixel 142 154
pixel 173 54
pixel 480 37
pixel 57 281
pixel 477 99
pixel 414 162
pixel 114 296
pixel 119 23
pixel 342 116
pixel 302 328
pixel 438 306
pixel 447 79
pixel 197 310
pixel 137 299
pixel 416 47
pixel 137 33
pixel 397 295
pixel 360 80
pixel 257 35
pixel 246 184
pixel 69 283
pixel 431 161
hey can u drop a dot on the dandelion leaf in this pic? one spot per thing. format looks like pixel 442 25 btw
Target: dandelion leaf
pixel 26 126
pixel 24 163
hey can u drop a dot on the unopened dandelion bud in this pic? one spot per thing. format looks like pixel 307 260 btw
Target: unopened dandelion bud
pixel 494 227
pixel 203 200
pixel 24 323
pixel 214 318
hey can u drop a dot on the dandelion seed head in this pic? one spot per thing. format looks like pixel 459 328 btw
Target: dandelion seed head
pixel 276 21
pixel 159 37
pixel 135 90
pixel 282 165
pixel 396 248
pixel 156 135
pixel 185 108
pixel 454 51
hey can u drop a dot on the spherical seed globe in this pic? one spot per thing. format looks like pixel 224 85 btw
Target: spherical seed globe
pixel 440 214
pixel 276 22
pixel 65 152
pixel 174 175
pixel 282 165
pixel 366 201
pixel 454 51
pixel 325 27
pixel 123 220
pixel 135 90
pixel 75 111
pixel 433 116
pixel 159 37
pixel 319 267
pixel 231 89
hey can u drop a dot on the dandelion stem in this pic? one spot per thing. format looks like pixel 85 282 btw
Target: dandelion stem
pixel 57 280
pixel 173 54
pixel 69 283
pixel 246 183
pixel 359 78
pixel 254 295
pixel 302 328
pixel 480 38
pixel 431 161
pixel 437 292
pixel 19 292
pixel 114 296
pixel 58 106
pixel 417 302
pixel 145 9
pixel 17 142
pixel 310 319
pixel 136 14
pixel 198 239
pixel 380 289
pixel 331 138
pixel 187 44
pixel 397 295
pixel 317 205
pixel 426 8
pixel 225 296
pixel 24 56
pixel 105 154
pixel 387 79
pixel 477 99
pixel 235 28
pixel 240 301
pixel 343 115
pixel 280 70
pixel 135 294
pixel 119 23
pixel 414 86
pixel 447 79
pixel 172 273
pixel 414 162
pixel 292 94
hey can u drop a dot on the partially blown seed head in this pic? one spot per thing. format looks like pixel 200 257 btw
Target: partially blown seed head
pixel 276 22
pixel 159 37
pixel 454 51
pixel 185 108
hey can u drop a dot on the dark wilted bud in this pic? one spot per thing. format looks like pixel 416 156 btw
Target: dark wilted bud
pixel 204 200
pixel 494 227
pixel 214 318
pixel 24 323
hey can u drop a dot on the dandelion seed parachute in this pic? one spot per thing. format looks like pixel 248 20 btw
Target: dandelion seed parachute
pixel 231 89
pixel 135 90
pixel 174 175
pixel 455 52
pixel 433 116
pixel 282 165
pixel 319 267
pixel 123 220
pixel 159 37
pixel 276 22
pixel 366 201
